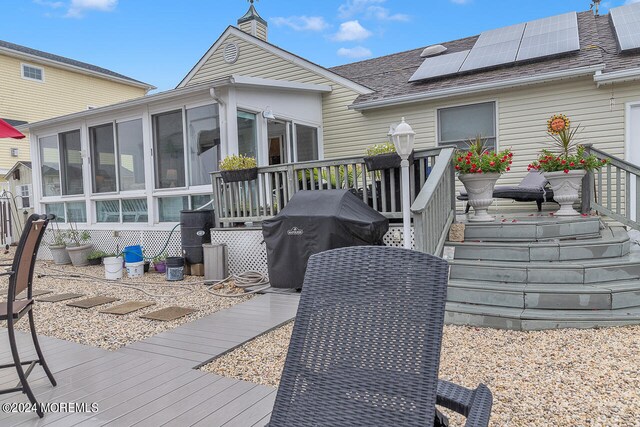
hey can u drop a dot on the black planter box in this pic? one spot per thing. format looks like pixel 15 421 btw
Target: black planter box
pixel 382 161
pixel 95 261
pixel 239 175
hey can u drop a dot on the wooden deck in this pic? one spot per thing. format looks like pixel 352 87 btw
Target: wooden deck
pixel 155 384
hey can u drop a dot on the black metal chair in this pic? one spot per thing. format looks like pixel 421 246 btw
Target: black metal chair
pixel 21 279
pixel 365 348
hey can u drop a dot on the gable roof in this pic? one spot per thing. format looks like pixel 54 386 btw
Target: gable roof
pixel 287 56
pixel 389 75
pixel 40 56
pixel 16 166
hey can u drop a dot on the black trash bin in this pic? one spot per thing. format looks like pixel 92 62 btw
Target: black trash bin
pixel 316 221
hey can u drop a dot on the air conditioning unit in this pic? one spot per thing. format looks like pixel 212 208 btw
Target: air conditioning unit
pixel 14 152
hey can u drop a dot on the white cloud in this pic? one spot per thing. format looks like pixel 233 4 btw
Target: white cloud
pixel 301 23
pixel 632 1
pixel 51 4
pixel 355 52
pixel 354 7
pixel 370 9
pixel 383 14
pixel 461 1
pixel 78 7
pixel 351 31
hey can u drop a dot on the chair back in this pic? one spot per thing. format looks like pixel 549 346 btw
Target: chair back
pixel 25 257
pixel 365 348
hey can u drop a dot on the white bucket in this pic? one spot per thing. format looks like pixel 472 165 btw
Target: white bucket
pixel 112 268
pixel 135 269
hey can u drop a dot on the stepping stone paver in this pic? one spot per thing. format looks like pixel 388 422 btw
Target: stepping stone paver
pixel 127 307
pixel 59 297
pixel 92 302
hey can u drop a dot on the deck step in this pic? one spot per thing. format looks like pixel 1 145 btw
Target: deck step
pixel 612 243
pixel 532 228
pixel 562 272
pixel 536 319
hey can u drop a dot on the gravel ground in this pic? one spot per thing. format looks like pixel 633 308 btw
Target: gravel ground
pixel 565 377
pixel 109 331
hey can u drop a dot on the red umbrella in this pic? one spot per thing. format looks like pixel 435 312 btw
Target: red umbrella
pixel 8 131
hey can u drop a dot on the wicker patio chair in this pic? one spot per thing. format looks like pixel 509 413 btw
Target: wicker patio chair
pixel 365 348
pixel 532 188
pixel 21 279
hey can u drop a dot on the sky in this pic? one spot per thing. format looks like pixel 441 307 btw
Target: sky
pixel 159 41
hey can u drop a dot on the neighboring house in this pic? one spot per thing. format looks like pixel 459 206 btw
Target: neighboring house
pixel 38 85
pixel 19 196
pixel 248 96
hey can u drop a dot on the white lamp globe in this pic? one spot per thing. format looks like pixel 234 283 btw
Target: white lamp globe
pixel 403 138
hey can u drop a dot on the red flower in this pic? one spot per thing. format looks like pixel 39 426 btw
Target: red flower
pixel 508 169
pixel 492 163
pixel 459 159
pixel 604 161
pixel 473 165
pixel 572 164
pixel 468 162
pixel 528 168
pixel 510 161
pixel 582 161
pixel 457 167
pixel 479 170
pixel 564 162
pixel 566 171
pixel 510 154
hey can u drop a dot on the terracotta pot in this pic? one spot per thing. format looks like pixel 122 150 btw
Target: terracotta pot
pixel 566 190
pixel 479 187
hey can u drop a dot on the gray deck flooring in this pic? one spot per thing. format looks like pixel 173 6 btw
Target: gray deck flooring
pixel 196 343
pixel 153 383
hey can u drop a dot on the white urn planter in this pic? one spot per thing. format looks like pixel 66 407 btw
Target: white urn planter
pixel 479 187
pixel 79 254
pixel 566 189
pixel 60 254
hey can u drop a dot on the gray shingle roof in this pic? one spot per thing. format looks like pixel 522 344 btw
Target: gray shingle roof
pixel 13 122
pixel 67 61
pixel 389 75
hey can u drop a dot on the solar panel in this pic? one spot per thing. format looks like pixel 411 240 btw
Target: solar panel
pixel 491 55
pixel 626 20
pixel 500 35
pixel 550 36
pixel 440 66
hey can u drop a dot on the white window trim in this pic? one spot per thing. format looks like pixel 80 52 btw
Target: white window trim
pixel 465 104
pixel 25 64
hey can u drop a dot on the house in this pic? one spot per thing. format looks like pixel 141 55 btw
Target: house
pixel 19 197
pixel 39 85
pixel 248 96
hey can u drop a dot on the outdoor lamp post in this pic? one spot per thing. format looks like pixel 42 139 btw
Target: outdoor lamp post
pixel 403 137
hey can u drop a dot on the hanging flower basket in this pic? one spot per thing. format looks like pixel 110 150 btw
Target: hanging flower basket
pixel 239 175
pixel 382 161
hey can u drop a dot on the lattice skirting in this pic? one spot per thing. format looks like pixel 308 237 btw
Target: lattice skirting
pixel 151 241
pixel 245 248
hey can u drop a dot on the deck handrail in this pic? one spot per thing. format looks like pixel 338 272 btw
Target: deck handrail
pixel 264 197
pixel 435 206
pixel 611 189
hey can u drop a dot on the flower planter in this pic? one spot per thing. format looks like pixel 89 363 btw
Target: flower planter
pixel 79 254
pixel 566 189
pixel 239 175
pixel 60 255
pixel 95 261
pixel 382 161
pixel 479 187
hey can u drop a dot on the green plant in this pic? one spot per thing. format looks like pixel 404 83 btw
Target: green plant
pixel 384 148
pixel 237 162
pixel 344 176
pixel 570 155
pixel 478 159
pixel 59 237
pixel 77 237
pixel 160 258
pixel 97 255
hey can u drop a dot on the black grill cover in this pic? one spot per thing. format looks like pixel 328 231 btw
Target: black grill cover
pixel 316 221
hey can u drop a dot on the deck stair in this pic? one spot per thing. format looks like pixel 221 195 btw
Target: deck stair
pixel 541 272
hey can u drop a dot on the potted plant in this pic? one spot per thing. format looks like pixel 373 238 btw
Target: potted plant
pixel 58 246
pixel 159 263
pixel 238 168
pixel 95 257
pixel 79 247
pixel 565 168
pixel 479 169
pixel 382 156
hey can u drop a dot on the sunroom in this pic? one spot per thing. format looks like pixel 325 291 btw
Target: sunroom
pixel 137 164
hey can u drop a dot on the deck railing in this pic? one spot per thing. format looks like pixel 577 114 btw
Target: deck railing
pixel 264 197
pixel 435 207
pixel 614 190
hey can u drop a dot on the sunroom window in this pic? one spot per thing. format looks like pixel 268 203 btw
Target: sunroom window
pixel 68 212
pixel 458 125
pixel 247 134
pixel 203 133
pixel 128 161
pixel 50 169
pixel 306 143
pixel 71 159
pixel 169 150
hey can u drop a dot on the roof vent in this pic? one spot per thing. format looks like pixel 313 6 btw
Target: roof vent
pixel 434 50
pixel 231 53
